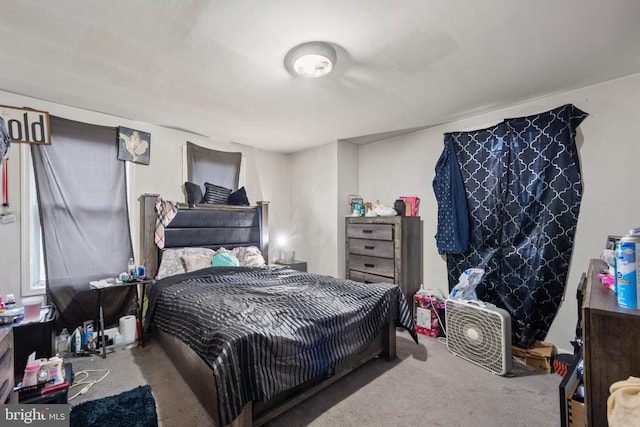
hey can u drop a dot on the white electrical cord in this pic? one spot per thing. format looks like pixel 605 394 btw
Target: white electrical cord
pixel 87 384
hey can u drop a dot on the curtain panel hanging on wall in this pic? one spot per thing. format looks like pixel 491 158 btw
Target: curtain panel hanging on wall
pixel 523 188
pixel 84 217
pixel 216 167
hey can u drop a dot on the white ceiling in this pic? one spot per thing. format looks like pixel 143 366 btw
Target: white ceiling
pixel 216 67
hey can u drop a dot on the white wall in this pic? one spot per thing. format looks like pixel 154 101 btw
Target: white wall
pixel 271 175
pixel 266 178
pixel 321 180
pixel 313 231
pixel 306 188
pixel 347 184
pixel 609 147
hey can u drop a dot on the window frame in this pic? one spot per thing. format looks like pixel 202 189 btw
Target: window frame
pixel 29 226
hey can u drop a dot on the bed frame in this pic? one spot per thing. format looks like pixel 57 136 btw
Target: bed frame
pixel 218 226
pixel 206 225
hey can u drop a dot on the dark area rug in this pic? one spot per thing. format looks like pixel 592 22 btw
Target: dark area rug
pixel 133 408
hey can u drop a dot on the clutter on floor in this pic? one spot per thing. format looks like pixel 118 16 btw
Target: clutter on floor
pixel 538 357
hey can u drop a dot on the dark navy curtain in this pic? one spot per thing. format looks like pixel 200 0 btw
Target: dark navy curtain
pixel 523 187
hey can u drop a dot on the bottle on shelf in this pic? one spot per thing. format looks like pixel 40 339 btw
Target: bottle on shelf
pixel 131 268
pixel 10 302
pixel 31 374
pixel 62 345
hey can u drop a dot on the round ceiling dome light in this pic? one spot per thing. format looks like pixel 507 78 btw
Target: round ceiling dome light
pixel 311 59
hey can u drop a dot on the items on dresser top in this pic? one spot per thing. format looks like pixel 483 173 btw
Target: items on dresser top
pixel 31 310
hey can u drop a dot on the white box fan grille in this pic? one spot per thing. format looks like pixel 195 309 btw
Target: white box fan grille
pixel 480 333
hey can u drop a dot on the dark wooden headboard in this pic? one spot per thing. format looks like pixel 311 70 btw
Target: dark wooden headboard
pixel 210 226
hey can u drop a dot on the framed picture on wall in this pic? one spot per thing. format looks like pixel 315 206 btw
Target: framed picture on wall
pixel 134 145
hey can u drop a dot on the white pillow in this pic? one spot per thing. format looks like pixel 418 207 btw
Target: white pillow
pixel 253 257
pixel 171 262
pixel 196 262
pixel 248 256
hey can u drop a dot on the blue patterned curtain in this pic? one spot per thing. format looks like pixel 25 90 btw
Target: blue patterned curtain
pixel 523 188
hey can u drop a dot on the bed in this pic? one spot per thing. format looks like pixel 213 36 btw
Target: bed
pixel 251 342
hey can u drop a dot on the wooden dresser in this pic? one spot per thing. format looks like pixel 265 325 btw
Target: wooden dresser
pixel 611 345
pixel 385 249
pixel 6 364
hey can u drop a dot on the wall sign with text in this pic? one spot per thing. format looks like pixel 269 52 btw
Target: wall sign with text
pixel 26 125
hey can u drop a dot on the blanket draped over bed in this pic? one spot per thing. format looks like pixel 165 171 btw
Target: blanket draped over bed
pixel 265 330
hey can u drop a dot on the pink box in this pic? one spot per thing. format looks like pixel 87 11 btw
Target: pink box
pixel 414 205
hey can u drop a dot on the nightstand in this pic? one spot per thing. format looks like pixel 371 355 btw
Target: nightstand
pixel 110 284
pixel 296 264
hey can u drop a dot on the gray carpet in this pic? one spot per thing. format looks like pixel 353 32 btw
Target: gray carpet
pixel 426 385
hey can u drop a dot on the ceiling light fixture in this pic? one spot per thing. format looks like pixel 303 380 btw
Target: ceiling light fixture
pixel 311 59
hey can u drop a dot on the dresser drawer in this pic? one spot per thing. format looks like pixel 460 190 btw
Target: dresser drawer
pixel 385 249
pixel 377 248
pixel 370 231
pixel 372 265
pixel 359 276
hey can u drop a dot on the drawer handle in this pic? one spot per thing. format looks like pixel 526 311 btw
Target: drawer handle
pixel 367 231
pixel 368 265
pixel 370 248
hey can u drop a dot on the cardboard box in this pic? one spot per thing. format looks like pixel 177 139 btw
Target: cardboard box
pixel 539 357
pixel 575 413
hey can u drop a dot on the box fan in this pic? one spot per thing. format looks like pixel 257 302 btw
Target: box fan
pixel 480 333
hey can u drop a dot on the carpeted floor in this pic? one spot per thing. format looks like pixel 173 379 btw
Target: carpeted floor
pixel 425 385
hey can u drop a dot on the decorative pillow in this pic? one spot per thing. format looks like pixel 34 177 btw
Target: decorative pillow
pixel 215 194
pixel 171 262
pixel 224 260
pixel 233 251
pixel 250 256
pixel 239 197
pixel 194 193
pixel 196 262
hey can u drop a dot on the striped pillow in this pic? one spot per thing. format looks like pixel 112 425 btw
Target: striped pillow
pixel 215 194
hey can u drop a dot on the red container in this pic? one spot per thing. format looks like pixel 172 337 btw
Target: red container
pixel 412 205
pixel 429 312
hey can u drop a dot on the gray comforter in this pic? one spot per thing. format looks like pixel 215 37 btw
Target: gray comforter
pixel 265 330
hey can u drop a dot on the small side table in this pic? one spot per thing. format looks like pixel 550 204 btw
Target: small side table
pixel 296 264
pixel 101 286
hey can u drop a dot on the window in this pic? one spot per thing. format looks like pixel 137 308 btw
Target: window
pixel 217 167
pixel 32 259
